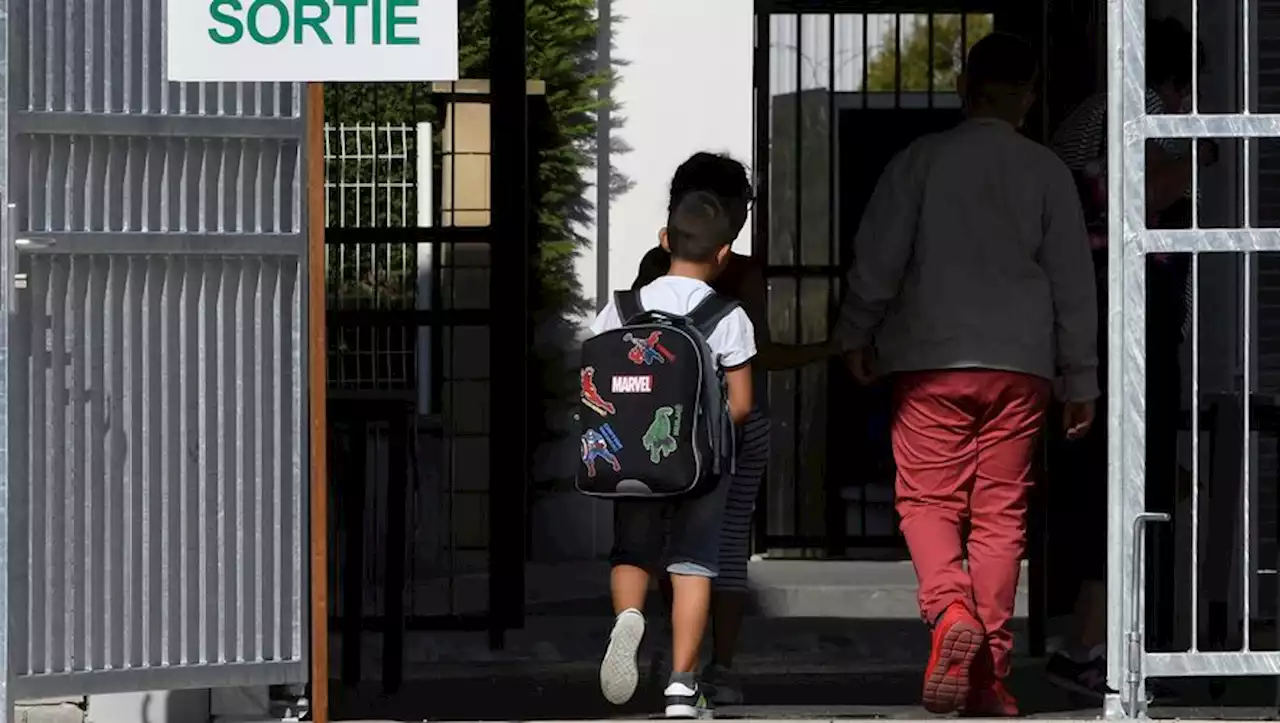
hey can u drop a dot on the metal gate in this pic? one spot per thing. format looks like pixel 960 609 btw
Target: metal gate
pixel 838 94
pixel 1130 660
pixel 153 255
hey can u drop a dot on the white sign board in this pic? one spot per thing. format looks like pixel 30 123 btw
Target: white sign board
pixel 312 40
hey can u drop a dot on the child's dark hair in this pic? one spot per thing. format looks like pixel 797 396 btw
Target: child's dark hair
pixel 698 227
pixel 716 174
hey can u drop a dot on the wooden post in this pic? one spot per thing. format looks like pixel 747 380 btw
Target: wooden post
pixel 317 388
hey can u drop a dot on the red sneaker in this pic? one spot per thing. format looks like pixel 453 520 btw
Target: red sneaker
pixel 988 698
pixel 957 637
pixel 992 700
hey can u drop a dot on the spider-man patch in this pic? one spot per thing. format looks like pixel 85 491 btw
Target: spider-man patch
pixel 648 350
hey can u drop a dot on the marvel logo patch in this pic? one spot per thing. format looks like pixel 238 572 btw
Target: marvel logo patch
pixel 632 384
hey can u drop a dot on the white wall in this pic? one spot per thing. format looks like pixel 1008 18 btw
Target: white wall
pixel 687 87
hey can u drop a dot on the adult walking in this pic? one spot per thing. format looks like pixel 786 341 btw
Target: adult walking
pixel 742 279
pixel 973 281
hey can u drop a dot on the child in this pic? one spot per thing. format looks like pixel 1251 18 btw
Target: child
pixel 698 235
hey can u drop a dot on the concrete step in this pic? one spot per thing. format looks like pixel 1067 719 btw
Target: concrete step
pixel 779 588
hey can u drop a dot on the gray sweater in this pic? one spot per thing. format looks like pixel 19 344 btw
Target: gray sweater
pixel 972 253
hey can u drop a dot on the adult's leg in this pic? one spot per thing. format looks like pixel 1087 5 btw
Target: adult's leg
pixel 1078 524
pixel 935 447
pixel 1016 405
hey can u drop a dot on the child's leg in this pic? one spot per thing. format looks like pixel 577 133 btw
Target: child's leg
pixel 637 548
pixel 629 586
pixel 637 545
pixel 689 610
pixel 694 559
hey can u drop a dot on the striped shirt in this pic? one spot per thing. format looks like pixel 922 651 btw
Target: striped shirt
pixel 1082 137
pixel 1082 140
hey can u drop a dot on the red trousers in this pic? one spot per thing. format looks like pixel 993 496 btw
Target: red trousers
pixel 964 442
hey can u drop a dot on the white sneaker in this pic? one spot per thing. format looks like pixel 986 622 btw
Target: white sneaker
pixel 685 700
pixel 619 673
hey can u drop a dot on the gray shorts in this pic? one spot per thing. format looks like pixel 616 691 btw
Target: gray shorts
pixel 684 534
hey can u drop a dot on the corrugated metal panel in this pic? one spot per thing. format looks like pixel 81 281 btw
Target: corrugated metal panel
pixel 158 473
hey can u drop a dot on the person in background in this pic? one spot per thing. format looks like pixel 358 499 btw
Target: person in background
pixel 742 279
pixel 972 282
pixel 1079 501
pixel 698 234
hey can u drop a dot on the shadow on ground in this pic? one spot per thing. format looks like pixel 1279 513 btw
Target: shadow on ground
pixel 868 669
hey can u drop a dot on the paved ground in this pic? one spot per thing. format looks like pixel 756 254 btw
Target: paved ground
pixel 830 640
pixel 889 694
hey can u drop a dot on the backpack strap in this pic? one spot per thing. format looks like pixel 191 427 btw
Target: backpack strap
pixel 628 305
pixel 708 314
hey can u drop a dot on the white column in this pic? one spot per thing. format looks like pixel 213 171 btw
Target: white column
pixel 426 263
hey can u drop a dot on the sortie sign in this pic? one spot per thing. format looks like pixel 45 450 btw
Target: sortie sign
pixel 312 40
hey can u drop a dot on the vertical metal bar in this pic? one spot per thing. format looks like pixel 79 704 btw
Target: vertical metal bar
pixel 604 140
pixel 1246 486
pixel 1120 34
pixel 1246 28
pixel 797 478
pixel 7 271
pixel 1246 394
pixel 511 273
pixel 760 240
pixel 438 262
pixel 397 486
pixel 1195 338
pixel 897 62
pixel 866 72
pixel 929 22
pixel 866 61
pixel 424 176
pixel 835 509
pixel 1195 445
pixel 351 493
pixel 1195 61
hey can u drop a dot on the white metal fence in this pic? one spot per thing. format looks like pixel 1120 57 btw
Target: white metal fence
pixel 379 176
pixel 1223 526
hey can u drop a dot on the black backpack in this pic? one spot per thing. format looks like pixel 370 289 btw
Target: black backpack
pixel 653 413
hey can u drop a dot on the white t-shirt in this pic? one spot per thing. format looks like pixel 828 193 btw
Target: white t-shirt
pixel 733 341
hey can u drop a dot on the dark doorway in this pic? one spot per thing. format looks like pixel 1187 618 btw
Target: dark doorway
pixel 830 116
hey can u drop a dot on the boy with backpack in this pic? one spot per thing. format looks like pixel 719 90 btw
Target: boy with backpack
pixel 665 380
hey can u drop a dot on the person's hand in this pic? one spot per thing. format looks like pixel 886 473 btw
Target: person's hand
pixel 860 363
pixel 1077 417
pixel 1208 153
